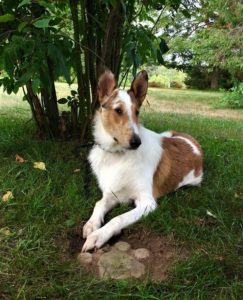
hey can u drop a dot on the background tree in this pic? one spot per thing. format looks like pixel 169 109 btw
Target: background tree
pixel 42 41
pixel 207 42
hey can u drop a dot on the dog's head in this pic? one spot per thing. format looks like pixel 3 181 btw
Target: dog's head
pixel 119 109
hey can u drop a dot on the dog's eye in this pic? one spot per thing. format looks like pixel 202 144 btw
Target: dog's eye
pixel 137 112
pixel 118 111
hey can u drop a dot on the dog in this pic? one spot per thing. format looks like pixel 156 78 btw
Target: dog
pixel 132 163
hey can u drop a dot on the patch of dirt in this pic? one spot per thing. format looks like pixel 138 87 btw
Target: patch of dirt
pixel 164 250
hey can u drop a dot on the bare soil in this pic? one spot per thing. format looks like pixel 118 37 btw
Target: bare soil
pixel 164 250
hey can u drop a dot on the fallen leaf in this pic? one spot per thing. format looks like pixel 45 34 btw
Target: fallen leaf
pixel 5 231
pixel 7 196
pixel 76 171
pixel 220 258
pixel 238 195
pixel 39 165
pixel 187 281
pixel 200 222
pixel 19 159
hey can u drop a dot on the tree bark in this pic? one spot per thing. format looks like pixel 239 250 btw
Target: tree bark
pixel 215 78
pixel 78 66
pixel 50 102
pixel 37 110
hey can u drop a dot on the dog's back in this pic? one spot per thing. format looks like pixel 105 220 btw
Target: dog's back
pixel 181 163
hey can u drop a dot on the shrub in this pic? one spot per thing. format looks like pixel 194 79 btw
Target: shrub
pixel 159 81
pixel 156 84
pixel 234 97
pixel 176 84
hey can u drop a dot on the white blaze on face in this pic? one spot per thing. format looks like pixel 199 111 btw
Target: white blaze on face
pixel 126 99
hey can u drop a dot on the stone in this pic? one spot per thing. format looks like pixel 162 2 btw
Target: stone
pixel 141 253
pixel 122 246
pixel 119 265
pixel 85 258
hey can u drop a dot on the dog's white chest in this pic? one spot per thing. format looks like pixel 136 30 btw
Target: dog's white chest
pixel 127 174
pixel 113 171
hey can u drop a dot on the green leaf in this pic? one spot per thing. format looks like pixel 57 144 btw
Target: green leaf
pixel 73 93
pixel 24 78
pixel 25 98
pixel 22 26
pixel 56 52
pixel 47 5
pixel 163 46
pixel 7 18
pixel 62 101
pixel 186 13
pixel 9 61
pixel 35 85
pixel 113 2
pixel 24 2
pixel 42 23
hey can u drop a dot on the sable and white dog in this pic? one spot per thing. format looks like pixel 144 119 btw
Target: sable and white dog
pixel 133 163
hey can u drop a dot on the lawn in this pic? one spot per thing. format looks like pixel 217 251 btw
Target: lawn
pixel 35 259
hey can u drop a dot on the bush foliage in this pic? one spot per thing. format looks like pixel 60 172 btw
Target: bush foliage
pixel 234 97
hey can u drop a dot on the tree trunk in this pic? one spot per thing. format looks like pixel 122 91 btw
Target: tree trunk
pixel 74 119
pixel 78 66
pixel 49 98
pixel 215 78
pixel 37 110
pixel 101 49
pixel 112 44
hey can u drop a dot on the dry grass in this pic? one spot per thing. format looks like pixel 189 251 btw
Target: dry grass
pixel 158 100
pixel 187 102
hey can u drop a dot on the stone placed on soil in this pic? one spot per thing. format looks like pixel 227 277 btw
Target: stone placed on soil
pixel 119 265
pixel 85 258
pixel 122 246
pixel 141 253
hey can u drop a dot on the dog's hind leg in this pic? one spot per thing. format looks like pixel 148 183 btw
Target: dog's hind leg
pixel 99 212
pixel 97 238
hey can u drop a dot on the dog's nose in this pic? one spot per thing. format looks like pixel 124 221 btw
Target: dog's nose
pixel 135 141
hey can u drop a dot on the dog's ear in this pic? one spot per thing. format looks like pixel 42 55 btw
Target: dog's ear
pixel 106 85
pixel 140 86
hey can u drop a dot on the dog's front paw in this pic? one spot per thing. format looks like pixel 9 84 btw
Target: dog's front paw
pixel 95 240
pixel 89 227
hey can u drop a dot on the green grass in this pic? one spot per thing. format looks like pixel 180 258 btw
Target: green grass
pixel 181 95
pixel 34 262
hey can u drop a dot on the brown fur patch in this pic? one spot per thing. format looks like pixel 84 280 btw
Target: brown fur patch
pixel 106 85
pixel 177 161
pixel 139 87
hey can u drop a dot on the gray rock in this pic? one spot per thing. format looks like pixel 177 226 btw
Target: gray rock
pixel 119 265
pixel 122 246
pixel 85 258
pixel 141 253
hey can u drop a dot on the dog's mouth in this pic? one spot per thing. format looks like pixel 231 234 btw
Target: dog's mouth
pixel 132 145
